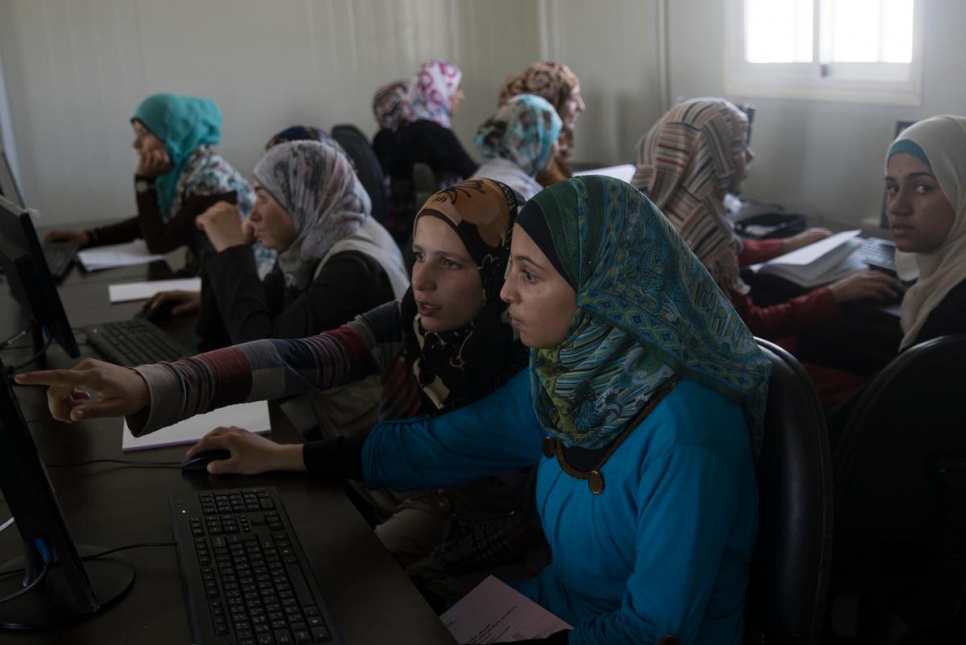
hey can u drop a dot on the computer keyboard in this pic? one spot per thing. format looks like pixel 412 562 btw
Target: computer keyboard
pixel 134 342
pixel 246 577
pixel 878 253
pixel 59 257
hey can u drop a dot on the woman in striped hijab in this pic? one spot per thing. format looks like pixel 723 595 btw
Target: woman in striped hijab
pixel 686 164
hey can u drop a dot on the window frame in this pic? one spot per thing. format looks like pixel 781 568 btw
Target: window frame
pixel 876 83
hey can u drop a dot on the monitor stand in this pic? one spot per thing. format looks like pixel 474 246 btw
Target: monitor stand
pixel 51 604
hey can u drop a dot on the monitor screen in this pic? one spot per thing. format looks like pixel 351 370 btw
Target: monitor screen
pixel 749 109
pixel 29 277
pixel 64 588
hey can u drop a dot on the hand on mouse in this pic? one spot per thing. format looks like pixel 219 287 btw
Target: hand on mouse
pixel 185 302
pixel 91 389
pixel 251 453
pixel 865 285
pixel 81 237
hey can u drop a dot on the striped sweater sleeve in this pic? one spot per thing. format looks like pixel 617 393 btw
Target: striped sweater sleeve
pixel 265 369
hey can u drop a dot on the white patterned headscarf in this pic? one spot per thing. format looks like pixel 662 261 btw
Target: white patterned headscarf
pixel 432 91
pixel 941 143
pixel 315 184
pixel 522 130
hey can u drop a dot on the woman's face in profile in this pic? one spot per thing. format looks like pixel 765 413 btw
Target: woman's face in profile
pixel 446 281
pixel 572 108
pixel 272 225
pixel 920 215
pixel 542 303
pixel 144 140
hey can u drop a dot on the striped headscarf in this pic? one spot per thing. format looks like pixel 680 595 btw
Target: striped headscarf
pixel 461 365
pixel 554 82
pixel 522 130
pixel 647 312
pixel 685 164
pixel 940 142
pixel 389 104
pixel 432 91
pixel 315 184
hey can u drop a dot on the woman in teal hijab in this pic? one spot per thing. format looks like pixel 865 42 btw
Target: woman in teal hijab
pixel 178 177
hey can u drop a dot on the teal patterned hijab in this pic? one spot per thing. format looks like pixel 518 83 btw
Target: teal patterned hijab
pixel 647 311
pixel 522 130
pixel 183 124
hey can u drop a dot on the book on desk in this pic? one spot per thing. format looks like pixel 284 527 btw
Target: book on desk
pixel 819 263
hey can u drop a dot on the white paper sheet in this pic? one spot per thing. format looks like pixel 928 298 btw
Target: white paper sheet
pixel 143 290
pixel 820 263
pixel 116 255
pixel 495 612
pixel 623 171
pixel 251 416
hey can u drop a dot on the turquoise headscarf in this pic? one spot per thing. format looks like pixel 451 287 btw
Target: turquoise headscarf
pixel 183 124
pixel 647 311
pixel 523 130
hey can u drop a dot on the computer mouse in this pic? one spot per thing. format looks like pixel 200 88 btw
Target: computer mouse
pixel 203 458
pixel 159 313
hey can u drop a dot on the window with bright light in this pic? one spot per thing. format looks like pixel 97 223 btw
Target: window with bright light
pixel 850 50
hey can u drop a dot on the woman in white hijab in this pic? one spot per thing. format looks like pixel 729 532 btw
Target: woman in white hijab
pixel 926 186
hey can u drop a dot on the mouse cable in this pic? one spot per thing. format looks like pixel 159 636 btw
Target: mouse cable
pixel 121 462
pixel 47 557
pixel 43 350
pixel 93 556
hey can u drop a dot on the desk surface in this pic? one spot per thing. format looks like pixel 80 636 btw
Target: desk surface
pixel 108 505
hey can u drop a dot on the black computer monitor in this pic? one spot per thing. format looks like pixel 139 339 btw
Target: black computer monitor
pixel 66 588
pixel 749 109
pixel 30 281
pixel 901 125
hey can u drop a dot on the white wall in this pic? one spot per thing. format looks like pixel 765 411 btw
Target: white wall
pixel 76 69
pixel 823 159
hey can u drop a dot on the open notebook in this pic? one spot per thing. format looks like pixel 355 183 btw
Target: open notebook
pixel 820 263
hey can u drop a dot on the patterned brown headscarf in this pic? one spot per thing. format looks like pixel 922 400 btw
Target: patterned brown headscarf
pixel 461 365
pixel 554 82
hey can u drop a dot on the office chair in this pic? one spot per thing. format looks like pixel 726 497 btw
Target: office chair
pixel 790 566
pixel 900 499
pixel 368 169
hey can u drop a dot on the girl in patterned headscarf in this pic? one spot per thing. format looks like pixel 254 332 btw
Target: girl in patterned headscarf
pixel 178 177
pixel 446 343
pixel 425 139
pixel 687 163
pixel 559 85
pixel 520 140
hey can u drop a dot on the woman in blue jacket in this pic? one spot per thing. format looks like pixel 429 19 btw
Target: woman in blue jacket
pixel 643 401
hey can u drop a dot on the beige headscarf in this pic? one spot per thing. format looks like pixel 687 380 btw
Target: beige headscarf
pixel 943 141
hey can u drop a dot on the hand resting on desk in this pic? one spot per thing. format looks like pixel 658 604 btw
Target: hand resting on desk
pixel 91 389
pixel 251 453
pixel 803 239
pixel 185 302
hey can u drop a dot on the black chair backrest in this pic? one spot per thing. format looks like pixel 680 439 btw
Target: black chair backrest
pixel 900 486
pixel 357 146
pixel 790 567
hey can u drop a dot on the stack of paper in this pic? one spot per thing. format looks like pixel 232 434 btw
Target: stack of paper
pixel 251 416
pixel 144 290
pixel 624 172
pixel 494 612
pixel 116 255
pixel 820 263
